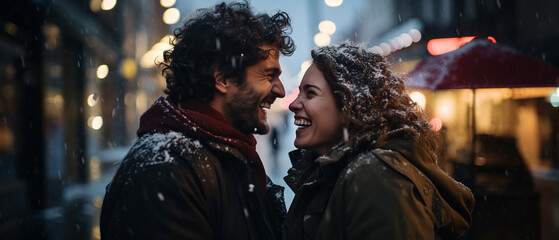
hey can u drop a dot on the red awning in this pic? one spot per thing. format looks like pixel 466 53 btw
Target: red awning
pixel 482 64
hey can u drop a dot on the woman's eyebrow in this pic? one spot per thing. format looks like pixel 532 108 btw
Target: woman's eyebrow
pixel 307 86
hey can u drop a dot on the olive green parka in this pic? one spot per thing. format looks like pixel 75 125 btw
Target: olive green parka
pixel 395 191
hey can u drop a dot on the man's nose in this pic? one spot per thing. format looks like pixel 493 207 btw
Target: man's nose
pixel 278 88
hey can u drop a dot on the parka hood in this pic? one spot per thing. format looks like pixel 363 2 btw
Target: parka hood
pixel 451 203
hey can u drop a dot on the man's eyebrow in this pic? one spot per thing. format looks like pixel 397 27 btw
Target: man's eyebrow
pixel 274 70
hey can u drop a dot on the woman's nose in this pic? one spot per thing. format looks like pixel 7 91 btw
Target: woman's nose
pixel 295 105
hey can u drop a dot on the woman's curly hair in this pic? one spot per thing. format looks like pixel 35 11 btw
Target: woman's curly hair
pixel 372 99
pixel 226 38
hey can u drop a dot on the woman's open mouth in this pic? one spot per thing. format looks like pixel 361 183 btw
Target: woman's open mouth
pixel 302 123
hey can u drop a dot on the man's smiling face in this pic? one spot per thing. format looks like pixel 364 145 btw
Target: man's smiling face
pixel 247 103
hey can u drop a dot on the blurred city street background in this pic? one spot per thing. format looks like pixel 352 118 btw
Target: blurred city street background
pixel 76 75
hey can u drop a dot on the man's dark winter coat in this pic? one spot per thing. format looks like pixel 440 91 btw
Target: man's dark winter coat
pixel 189 175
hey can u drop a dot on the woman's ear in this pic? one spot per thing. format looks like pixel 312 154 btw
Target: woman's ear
pixel 221 83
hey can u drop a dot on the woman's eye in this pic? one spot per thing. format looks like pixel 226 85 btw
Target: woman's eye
pixel 311 93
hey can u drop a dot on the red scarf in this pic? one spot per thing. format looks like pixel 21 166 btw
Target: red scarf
pixel 200 121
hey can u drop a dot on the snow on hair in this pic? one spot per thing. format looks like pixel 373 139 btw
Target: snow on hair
pixel 373 100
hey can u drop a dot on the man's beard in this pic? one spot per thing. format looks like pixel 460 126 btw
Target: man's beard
pixel 242 111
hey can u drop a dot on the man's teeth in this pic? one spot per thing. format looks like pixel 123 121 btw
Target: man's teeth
pixel 265 105
pixel 302 122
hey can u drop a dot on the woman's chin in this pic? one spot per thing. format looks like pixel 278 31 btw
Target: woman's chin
pixel 300 145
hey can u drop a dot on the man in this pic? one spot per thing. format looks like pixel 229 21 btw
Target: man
pixel 193 172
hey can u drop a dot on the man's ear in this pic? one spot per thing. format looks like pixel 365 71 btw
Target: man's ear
pixel 221 84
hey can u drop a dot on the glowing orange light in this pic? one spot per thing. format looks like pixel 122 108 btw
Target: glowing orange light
pixel 436 124
pixel 443 45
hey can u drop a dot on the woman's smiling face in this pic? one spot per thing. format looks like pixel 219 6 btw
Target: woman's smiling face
pixel 316 114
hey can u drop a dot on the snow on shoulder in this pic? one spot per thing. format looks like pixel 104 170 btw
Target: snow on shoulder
pixel 161 148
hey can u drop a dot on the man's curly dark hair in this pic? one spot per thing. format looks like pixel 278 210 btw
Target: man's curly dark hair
pixel 372 99
pixel 225 38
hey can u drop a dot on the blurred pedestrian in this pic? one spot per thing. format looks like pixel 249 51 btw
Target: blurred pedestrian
pixel 193 172
pixel 366 164
pixel 275 144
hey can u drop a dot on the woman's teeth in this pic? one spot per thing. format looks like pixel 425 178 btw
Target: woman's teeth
pixel 302 123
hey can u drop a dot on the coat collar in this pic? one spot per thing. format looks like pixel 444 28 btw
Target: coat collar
pixel 309 166
pixel 337 153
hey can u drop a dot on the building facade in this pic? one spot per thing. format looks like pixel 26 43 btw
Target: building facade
pixel 71 92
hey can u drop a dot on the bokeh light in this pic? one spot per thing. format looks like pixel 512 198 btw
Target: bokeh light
pixel 418 98
pixel 406 39
pixel 378 50
pixel 386 49
pixel 444 108
pixel 95 122
pixel 155 54
pixel 415 35
pixel 436 124
pixel 327 27
pixel 333 3
pixel 305 65
pixel 128 68
pixel 167 3
pixel 171 16
pixel 162 46
pixel 95 5
pixel 92 99
pixel 108 4
pixel 321 39
pixel 167 39
pixel 102 71
pixel 148 59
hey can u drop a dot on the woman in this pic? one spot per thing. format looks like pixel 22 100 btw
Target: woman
pixel 366 167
